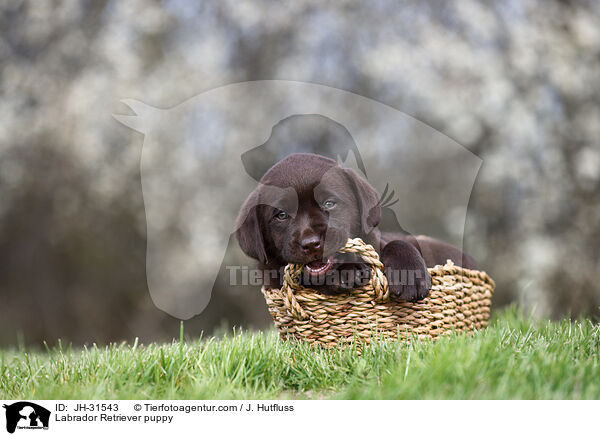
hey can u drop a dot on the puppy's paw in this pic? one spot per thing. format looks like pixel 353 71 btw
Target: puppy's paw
pixel 354 276
pixel 406 272
pixel 413 288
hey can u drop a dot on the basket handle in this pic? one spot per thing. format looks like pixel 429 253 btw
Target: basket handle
pixel 378 282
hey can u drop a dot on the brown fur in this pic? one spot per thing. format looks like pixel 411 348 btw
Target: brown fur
pixel 312 232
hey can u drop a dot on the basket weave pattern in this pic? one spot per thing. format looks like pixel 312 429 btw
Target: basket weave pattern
pixel 459 300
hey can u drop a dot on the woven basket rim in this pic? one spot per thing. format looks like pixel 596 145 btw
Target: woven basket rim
pixel 437 270
pixel 378 285
pixel 460 300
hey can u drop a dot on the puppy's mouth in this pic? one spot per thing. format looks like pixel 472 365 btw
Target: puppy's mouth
pixel 318 268
pixel 336 273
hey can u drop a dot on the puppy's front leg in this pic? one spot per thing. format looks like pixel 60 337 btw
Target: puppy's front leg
pixel 406 271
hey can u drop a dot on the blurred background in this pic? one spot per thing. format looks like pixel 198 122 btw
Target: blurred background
pixel 517 83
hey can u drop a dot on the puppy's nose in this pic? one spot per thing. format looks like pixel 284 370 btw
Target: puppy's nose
pixel 311 244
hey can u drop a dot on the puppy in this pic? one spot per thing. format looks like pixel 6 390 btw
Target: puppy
pixel 305 209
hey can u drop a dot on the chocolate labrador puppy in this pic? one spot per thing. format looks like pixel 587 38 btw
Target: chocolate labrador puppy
pixel 305 209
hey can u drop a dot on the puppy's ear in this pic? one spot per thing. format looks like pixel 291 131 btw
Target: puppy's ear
pixel 367 199
pixel 249 229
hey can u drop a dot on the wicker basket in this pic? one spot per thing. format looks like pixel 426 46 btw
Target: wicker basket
pixel 459 300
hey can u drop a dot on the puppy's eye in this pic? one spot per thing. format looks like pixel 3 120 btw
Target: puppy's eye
pixel 281 215
pixel 328 204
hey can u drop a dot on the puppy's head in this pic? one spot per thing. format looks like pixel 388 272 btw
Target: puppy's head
pixel 304 210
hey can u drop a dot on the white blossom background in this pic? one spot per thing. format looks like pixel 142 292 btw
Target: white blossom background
pixel 515 82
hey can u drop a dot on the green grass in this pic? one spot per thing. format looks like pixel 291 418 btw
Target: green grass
pixel 514 358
